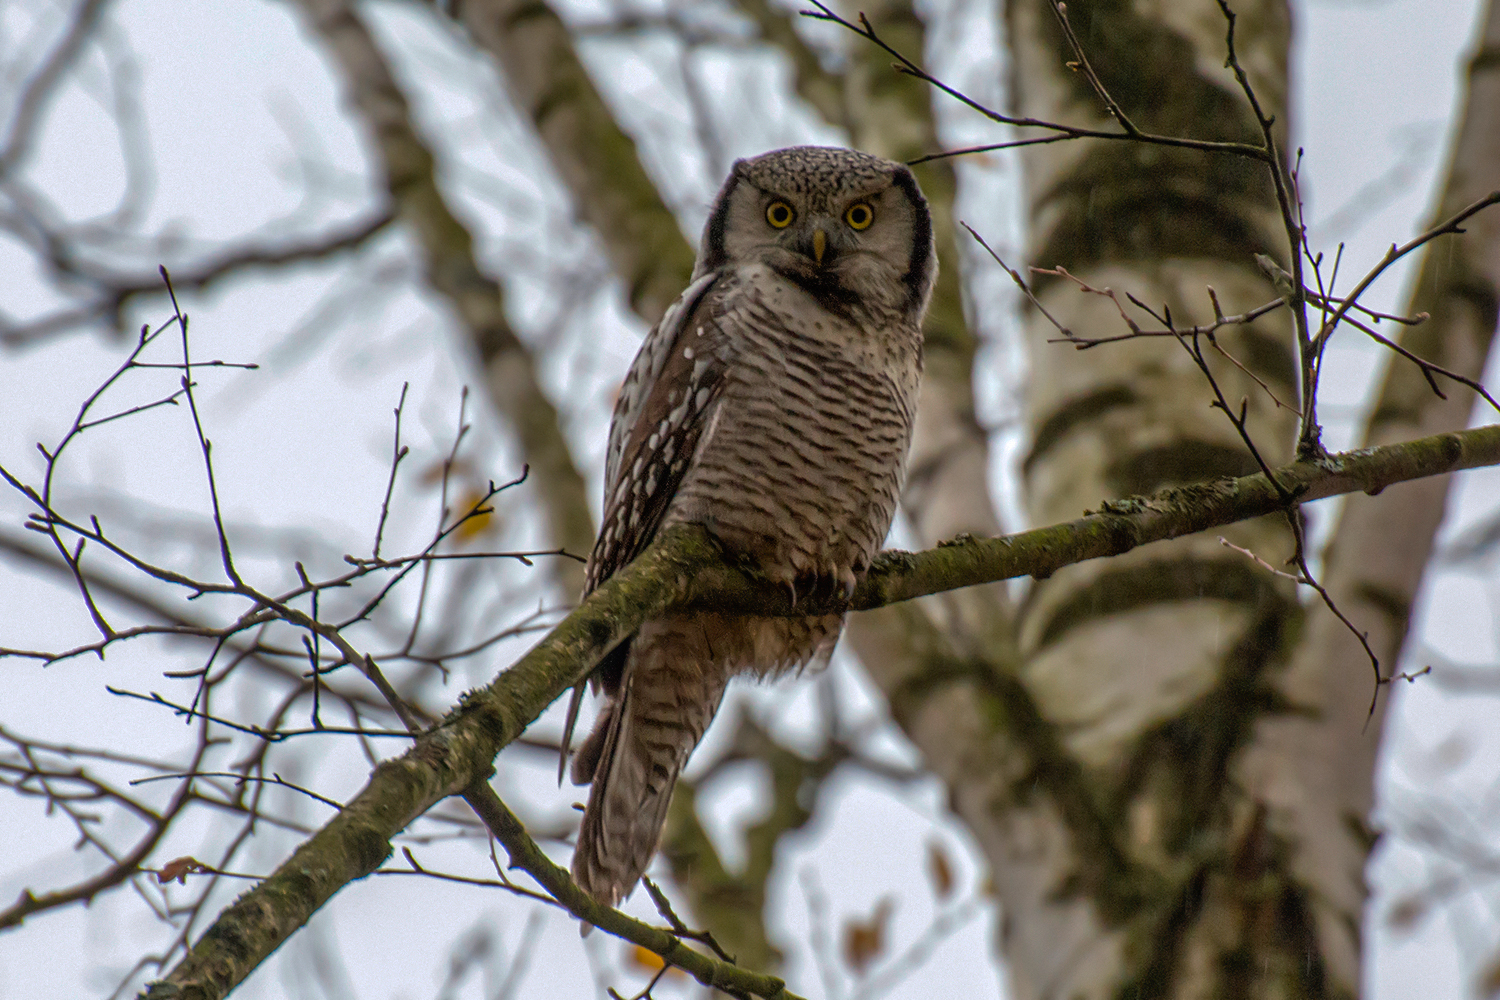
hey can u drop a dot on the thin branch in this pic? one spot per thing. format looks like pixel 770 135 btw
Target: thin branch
pixel 398 452
pixel 239 778
pixel 203 442
pixel 1064 132
pixel 526 855
pixel 1309 440
pixel 116 291
pixel 43 84
pixel 269 735
pixel 1453 224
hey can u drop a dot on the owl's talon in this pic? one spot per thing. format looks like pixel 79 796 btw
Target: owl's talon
pixel 849 581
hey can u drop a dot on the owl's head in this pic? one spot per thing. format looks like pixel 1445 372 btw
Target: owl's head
pixel 850 228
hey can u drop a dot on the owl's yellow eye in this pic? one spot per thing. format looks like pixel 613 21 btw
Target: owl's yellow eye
pixel 780 214
pixel 859 215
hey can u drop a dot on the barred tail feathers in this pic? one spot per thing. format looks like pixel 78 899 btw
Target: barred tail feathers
pixel 633 756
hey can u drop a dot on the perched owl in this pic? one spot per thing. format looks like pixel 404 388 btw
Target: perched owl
pixel 772 405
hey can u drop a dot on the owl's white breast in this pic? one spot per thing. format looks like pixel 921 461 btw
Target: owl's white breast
pixel 879 345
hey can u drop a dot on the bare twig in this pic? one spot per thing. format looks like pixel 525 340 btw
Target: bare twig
pixel 1063 132
pixel 398 452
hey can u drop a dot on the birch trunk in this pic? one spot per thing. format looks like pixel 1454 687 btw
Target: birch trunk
pixel 1155 874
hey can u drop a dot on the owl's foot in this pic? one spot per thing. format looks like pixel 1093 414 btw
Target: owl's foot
pixel 843 581
pixel 829 583
pixel 790 586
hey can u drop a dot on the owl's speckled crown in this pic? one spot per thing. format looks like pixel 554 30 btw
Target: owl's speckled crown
pixel 818 171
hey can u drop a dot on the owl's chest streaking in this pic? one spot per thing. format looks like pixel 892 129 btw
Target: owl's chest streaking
pixel 801 457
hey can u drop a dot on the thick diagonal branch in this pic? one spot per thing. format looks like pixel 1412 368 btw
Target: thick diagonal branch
pixel 685 568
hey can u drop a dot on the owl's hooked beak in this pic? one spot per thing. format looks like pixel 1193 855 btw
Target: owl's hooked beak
pixel 819 243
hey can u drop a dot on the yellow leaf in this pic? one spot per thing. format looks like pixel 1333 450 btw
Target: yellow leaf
pixel 646 958
pixel 478 524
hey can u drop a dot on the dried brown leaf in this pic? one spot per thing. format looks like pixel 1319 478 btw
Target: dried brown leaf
pixel 178 869
pixel 939 869
pixel 864 940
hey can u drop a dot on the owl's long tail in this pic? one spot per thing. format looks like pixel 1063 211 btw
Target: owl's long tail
pixel 633 757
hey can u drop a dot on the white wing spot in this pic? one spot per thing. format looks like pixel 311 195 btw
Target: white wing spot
pixel 687 352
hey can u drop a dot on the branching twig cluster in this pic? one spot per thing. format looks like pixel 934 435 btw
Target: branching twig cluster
pixel 96 266
pixel 92 557
pixel 1296 291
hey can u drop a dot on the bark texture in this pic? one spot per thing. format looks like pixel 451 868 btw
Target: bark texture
pixel 1138 687
pixel 947 486
pixel 947 489
pixel 1130 747
pixel 1142 868
pixel 595 157
pixel 1165 758
pixel 1380 549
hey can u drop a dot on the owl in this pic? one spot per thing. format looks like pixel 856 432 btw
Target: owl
pixel 773 406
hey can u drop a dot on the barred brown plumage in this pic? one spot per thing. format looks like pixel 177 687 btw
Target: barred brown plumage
pixel 773 404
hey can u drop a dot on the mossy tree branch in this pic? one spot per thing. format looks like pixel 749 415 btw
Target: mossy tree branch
pixel 684 567
pixel 526 855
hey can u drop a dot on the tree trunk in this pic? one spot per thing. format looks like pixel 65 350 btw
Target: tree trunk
pixel 1159 874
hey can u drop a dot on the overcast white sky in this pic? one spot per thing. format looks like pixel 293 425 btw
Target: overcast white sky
pixel 248 135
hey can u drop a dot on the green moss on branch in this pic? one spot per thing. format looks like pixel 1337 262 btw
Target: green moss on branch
pixel 684 567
